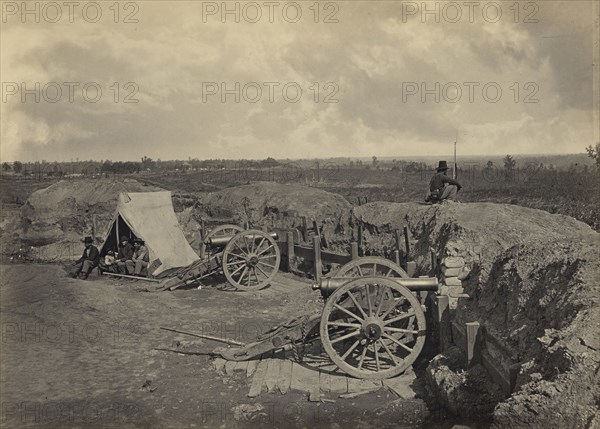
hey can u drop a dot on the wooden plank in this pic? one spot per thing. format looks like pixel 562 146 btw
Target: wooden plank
pixel 229 367
pixel 324 381
pixel 339 383
pixel 317 264
pixel 401 385
pixel 219 364
pixel 272 375
pixel 240 367
pixel 285 376
pixel 303 379
pixel 443 319
pixel 473 343
pixel 290 251
pixel 251 368
pixel 258 381
pixel 353 250
pixel 356 385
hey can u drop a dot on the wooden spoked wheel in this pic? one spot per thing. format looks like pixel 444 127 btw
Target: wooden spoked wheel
pixel 219 231
pixel 251 260
pixel 371 266
pixel 372 328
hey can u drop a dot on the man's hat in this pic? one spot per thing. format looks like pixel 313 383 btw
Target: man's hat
pixel 124 238
pixel 88 239
pixel 138 240
pixel 442 166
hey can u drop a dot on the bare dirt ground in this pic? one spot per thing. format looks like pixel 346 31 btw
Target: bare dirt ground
pixel 90 354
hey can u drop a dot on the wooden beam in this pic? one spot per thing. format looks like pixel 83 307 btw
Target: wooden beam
pixel 304 230
pixel 317 265
pixel 290 250
pixel 473 343
pixel 406 242
pixel 353 250
pixel 443 320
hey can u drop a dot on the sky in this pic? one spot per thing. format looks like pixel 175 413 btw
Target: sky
pixel 249 80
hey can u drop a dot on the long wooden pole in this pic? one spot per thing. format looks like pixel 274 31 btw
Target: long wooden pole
pixel 454 169
pixel 207 337
pixel 132 277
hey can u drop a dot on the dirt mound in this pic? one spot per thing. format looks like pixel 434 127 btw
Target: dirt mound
pixel 261 200
pixel 53 220
pixel 532 281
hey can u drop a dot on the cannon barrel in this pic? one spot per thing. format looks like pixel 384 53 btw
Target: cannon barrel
pixel 221 241
pixel 328 285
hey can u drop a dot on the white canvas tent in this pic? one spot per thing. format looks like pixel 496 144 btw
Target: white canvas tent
pixel 150 217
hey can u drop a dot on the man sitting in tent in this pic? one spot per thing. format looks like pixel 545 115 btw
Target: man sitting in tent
pixel 125 255
pixel 442 187
pixel 140 258
pixel 109 263
pixel 89 259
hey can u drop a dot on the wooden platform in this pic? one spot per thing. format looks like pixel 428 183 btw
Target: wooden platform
pixel 316 375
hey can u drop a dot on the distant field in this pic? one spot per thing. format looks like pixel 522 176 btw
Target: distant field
pixel 571 192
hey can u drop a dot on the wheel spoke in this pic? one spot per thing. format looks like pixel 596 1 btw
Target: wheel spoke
pixel 339 307
pixel 241 261
pixel 235 272
pixel 344 324
pixel 360 273
pixel 261 270
pixel 351 349
pixel 356 304
pixel 362 357
pixel 241 250
pixel 380 298
pixel 404 331
pixel 267 265
pixel 263 251
pixel 408 349
pixel 376 356
pixel 345 337
pixel 256 276
pixel 260 244
pixel 242 275
pixel 389 272
pixel 370 305
pixel 387 349
pixel 391 308
pixel 397 318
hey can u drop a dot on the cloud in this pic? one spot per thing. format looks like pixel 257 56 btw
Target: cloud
pixel 363 62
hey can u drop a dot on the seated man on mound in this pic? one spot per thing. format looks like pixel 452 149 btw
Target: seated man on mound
pixel 442 187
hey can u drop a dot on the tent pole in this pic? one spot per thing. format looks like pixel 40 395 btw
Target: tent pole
pixel 117 232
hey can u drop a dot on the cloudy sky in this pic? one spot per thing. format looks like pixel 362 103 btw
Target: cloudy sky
pixel 332 79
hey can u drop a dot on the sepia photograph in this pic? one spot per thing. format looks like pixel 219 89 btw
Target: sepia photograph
pixel 309 214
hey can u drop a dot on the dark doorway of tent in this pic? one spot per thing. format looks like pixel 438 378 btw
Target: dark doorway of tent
pixel 118 229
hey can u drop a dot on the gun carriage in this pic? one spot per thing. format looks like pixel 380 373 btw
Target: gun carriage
pixel 372 325
pixel 249 259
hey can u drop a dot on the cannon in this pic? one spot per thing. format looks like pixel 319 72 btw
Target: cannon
pixel 372 325
pixel 249 259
